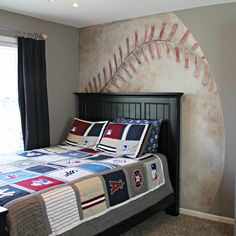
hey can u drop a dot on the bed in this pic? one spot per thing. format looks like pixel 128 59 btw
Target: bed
pixel 135 207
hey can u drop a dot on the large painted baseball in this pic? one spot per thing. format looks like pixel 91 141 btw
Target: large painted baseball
pixel 159 54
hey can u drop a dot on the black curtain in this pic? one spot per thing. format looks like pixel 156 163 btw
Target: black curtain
pixel 32 92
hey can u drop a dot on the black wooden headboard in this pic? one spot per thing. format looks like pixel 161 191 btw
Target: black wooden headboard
pixel 166 106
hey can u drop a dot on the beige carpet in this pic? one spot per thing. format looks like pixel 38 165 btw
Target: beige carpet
pixel 182 225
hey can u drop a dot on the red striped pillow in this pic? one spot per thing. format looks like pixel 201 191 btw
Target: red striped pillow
pixel 85 134
pixel 125 139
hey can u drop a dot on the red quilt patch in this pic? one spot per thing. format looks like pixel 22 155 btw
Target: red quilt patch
pixel 39 183
pixel 114 131
pixel 79 127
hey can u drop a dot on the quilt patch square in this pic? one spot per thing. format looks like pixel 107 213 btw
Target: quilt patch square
pixel 100 157
pixel 42 169
pixel 76 154
pixel 55 149
pixel 88 150
pixel 7 169
pixel 72 162
pixel 52 158
pixel 120 161
pixel 98 166
pixel 79 127
pixel 116 185
pixel 70 174
pixel 9 193
pixel 31 154
pixel 62 209
pixel 23 164
pixel 155 174
pixel 137 179
pixel 135 132
pixel 95 130
pixel 114 131
pixel 92 196
pixel 16 176
pixel 39 183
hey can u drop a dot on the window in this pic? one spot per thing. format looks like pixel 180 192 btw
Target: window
pixel 10 123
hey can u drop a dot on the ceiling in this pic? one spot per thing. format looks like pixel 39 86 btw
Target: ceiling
pixel 92 12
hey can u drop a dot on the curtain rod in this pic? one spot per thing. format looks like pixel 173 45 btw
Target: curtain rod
pixel 38 36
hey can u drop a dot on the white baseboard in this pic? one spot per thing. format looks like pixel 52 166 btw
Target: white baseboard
pixel 207 216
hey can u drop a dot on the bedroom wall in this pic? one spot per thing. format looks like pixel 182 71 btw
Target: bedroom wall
pixel 207 172
pixel 62 66
pixel 215 29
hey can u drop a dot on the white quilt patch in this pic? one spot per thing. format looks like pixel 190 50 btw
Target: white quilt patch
pixel 70 174
pixel 62 209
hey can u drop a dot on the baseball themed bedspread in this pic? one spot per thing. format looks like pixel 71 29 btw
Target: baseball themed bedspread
pixel 61 191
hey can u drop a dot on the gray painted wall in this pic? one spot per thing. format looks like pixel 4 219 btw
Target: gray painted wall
pixel 62 56
pixel 215 29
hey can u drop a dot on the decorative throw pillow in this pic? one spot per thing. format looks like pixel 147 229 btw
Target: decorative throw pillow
pixel 125 139
pixel 85 134
pixel 152 144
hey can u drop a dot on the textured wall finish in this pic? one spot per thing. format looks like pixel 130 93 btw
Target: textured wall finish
pixel 158 53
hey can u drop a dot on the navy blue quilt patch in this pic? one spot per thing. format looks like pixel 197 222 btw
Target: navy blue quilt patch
pixel 100 158
pixel 116 185
pixel 31 154
pixel 9 193
pixel 41 169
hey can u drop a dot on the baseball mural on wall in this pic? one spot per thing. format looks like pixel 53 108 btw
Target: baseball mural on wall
pixel 159 54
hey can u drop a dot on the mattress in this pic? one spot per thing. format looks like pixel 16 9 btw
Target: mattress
pixel 65 191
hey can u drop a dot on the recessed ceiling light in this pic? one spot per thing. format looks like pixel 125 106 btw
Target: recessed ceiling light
pixel 75 3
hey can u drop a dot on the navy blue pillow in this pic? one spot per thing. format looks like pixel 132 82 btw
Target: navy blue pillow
pixel 152 145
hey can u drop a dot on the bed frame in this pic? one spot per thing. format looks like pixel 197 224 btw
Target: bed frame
pixel 108 106
pixel 166 106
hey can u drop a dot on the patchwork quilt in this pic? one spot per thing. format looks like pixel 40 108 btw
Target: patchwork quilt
pixel 54 190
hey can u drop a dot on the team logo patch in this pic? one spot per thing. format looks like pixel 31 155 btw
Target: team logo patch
pixel 31 154
pixel 155 175
pixel 120 161
pixel 108 132
pixel 116 185
pixel 74 128
pixel 154 171
pixel 9 193
pixel 137 178
pixel 24 163
pixel 70 174
pixel 39 183
pixel 16 176
pixel 71 162
pixel 125 148
pixel 75 154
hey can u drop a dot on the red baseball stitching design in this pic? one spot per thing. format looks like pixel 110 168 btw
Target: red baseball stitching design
pixel 139 54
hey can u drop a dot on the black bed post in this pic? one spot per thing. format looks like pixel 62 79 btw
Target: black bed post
pixel 3 221
pixel 174 154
